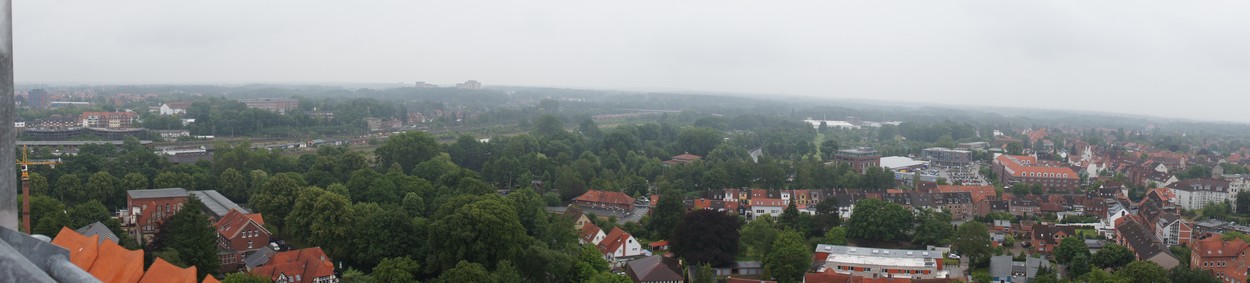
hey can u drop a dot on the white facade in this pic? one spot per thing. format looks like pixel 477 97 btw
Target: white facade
pixel 166 110
pixel 1198 194
pixel 630 248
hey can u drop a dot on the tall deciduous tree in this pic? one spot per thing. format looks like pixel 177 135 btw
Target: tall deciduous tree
pixel 758 235
pixel 233 185
pixel 933 227
pixel 878 220
pixel 134 181
pixel 1069 248
pixel 396 270
pixel 667 213
pixel 70 190
pixel 1112 256
pixel 190 233
pixel 707 237
pixel 789 258
pixel 277 197
pixel 1144 271
pixel 38 184
pixel 408 149
pixel 485 231
pixel 465 271
pixel 972 240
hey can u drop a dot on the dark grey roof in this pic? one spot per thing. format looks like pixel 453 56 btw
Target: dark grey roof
pixel 1033 264
pixel 157 193
pixel 216 203
pixel 1193 185
pixel 98 228
pixel 1000 266
pixel 654 268
pixel 258 258
pixel 1141 241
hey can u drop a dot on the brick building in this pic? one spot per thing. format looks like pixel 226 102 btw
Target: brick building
pixel 1015 169
pixel 111 120
pixel 605 200
pixel 860 159
pixel 1226 259
pixel 239 234
pixel 147 209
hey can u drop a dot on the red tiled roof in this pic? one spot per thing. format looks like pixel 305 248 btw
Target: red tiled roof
pixel 162 271
pixel 744 280
pixel 233 222
pixel 767 202
pixel 1022 170
pixel 1216 246
pixel 660 243
pixel 702 203
pixel 606 197
pixel 614 240
pixel 589 231
pixel 308 263
pixel 978 192
pixel 687 156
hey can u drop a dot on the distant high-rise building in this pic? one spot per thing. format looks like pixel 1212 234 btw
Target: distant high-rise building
pixel 471 84
pixel 860 159
pixel 38 98
pixel 424 85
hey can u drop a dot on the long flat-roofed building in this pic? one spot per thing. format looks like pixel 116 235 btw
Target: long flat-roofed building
pixel 946 156
pixel 881 263
pixel 1015 169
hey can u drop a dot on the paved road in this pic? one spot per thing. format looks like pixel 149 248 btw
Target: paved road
pixel 621 216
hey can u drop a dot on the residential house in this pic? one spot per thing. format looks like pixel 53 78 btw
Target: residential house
pixel 239 234
pixel 112 120
pixel 978 193
pixel 1194 194
pixel 605 200
pixel 655 269
pixel 1024 207
pixel 1136 237
pixel 591 234
pixel 1046 237
pixel 308 265
pixel 579 218
pixel 148 209
pixel 987 206
pixel 958 204
pixel 767 206
pixel 1226 259
pixel 1004 269
pixel 618 245
pixel 1172 229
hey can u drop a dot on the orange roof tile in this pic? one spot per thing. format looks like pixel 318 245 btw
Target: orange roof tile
pixel 978 192
pixel 307 263
pixel 162 271
pixel 606 197
pixel 210 279
pixel 82 249
pixel 589 231
pixel 767 202
pixel 117 264
pixel 233 222
pixel 614 240
pixel 1013 163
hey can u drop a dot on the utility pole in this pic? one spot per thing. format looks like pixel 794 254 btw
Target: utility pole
pixel 8 137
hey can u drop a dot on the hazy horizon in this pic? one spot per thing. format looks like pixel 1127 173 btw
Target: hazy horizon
pixel 1152 58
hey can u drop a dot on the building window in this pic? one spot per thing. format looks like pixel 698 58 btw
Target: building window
pixel 249 244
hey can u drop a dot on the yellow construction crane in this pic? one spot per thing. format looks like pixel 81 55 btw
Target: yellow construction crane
pixel 26 163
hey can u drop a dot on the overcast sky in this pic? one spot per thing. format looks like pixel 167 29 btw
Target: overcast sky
pixel 1183 59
